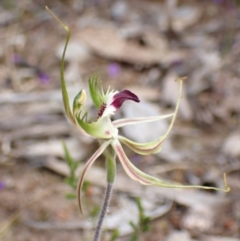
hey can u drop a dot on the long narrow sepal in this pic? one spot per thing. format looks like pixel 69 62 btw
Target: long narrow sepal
pixel 89 163
pixel 145 179
pixel 154 146
pixel 139 120
pixel 63 83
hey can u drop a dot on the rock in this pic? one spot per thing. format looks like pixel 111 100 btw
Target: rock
pixel 149 131
pixel 179 236
pixel 231 145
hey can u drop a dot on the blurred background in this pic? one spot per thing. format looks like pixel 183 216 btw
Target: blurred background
pixel 143 46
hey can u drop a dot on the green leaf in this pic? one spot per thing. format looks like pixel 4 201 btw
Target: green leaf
pixel 71 163
pixel 140 208
pixel 71 180
pixel 67 155
pixel 95 211
pixel 114 235
pixel 145 226
pixel 86 185
pixel 133 225
pixel 134 236
pixel 71 196
pixel 68 181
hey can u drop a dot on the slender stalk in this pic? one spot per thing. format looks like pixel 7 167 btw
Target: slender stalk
pixel 106 202
pixel 111 173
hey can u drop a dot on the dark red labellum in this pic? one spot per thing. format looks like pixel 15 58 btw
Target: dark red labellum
pixel 120 97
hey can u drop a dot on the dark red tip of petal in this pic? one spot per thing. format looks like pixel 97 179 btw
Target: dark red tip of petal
pixel 120 97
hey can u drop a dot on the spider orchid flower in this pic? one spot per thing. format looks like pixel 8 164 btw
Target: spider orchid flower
pixel 106 130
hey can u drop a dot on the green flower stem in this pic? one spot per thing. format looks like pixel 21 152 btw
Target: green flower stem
pixel 111 169
pixel 111 173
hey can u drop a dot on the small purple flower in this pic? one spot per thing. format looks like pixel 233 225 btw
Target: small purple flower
pixel 113 69
pixel 2 185
pixel 218 1
pixel 226 4
pixel 16 59
pixel 43 78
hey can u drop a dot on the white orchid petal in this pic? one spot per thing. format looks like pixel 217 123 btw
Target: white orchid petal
pixel 139 120
pixel 109 111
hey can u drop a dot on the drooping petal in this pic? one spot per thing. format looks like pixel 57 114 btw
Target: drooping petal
pixel 143 148
pixel 139 120
pixel 96 91
pixel 145 179
pixel 89 163
pixel 154 146
pixel 127 165
pixel 120 97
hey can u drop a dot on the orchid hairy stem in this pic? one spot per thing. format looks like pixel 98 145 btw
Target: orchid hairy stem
pixel 111 173
pixel 106 202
